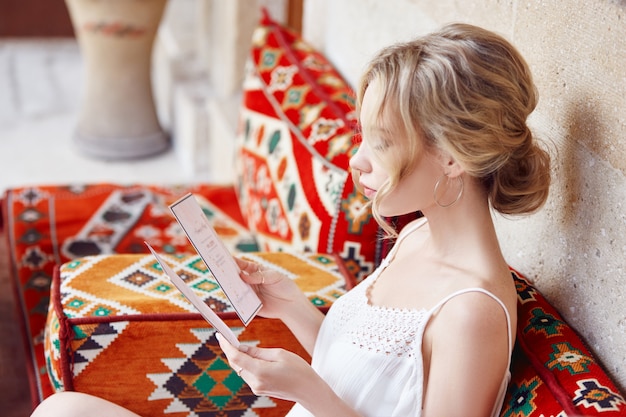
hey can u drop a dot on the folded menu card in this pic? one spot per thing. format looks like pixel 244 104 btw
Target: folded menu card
pixel 220 262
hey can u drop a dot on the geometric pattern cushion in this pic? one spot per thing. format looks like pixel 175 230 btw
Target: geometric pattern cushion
pixel 51 225
pixel 119 329
pixel 553 372
pixel 294 143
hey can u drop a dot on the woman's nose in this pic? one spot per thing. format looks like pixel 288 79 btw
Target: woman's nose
pixel 358 161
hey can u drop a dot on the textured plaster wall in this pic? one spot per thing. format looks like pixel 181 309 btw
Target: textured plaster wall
pixel 575 247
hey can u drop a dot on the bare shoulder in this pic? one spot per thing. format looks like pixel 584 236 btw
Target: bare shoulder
pixel 478 315
pixel 497 285
pixel 466 337
pixel 472 311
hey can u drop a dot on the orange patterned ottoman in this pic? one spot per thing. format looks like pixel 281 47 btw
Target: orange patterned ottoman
pixel 119 329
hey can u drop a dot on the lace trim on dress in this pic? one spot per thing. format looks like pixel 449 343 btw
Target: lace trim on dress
pixel 361 323
pixel 401 337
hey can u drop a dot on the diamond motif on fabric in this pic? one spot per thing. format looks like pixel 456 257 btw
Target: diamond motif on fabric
pixel 146 277
pixel 295 97
pixel 79 303
pixel 187 275
pixel 313 62
pixel 525 292
pixel 162 288
pixel 324 129
pixel 319 301
pixel 309 113
pixel 206 286
pixel 30 215
pixel 139 278
pixel 31 237
pixel 198 265
pixel 35 258
pixel 523 396
pixel 31 196
pixel 593 394
pixel 201 383
pixel 269 59
pixel 355 207
pixel 91 340
pixel 39 281
pixel 542 322
pixel 354 262
pixel 566 357
pixel 282 78
pixel 341 145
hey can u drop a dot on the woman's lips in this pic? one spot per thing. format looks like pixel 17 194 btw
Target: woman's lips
pixel 368 192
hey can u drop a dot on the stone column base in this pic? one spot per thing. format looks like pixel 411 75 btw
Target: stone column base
pixel 122 147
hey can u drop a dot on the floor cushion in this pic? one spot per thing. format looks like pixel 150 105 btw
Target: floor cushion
pixel 47 226
pixel 119 329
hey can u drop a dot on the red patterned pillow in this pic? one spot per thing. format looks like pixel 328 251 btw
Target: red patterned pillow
pixel 553 372
pixel 294 144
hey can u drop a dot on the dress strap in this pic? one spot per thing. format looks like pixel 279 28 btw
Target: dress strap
pixel 484 291
pixel 407 230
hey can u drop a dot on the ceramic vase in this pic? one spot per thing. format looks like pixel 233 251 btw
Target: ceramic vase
pixel 118 118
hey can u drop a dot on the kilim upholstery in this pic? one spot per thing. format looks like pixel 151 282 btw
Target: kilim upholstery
pixel 97 316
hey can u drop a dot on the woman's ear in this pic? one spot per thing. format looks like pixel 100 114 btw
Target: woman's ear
pixel 455 169
pixel 450 166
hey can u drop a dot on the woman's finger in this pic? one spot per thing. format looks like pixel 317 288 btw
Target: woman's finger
pixel 235 358
pixel 246 266
pixel 245 354
pixel 253 273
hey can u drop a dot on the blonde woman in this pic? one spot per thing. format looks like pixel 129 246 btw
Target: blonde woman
pixel 430 332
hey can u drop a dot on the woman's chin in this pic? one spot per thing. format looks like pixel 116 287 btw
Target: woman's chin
pixel 389 213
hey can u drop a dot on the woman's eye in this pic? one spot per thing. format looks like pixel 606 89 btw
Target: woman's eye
pixel 381 145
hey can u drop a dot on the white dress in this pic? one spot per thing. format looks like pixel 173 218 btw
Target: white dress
pixel 372 356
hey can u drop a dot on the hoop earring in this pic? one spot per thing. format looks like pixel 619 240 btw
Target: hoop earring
pixel 461 186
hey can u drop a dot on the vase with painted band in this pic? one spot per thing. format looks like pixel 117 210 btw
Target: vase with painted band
pixel 118 118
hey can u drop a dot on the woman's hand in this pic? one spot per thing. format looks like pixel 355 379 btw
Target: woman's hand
pixel 282 299
pixel 271 372
pixel 277 292
pixel 282 374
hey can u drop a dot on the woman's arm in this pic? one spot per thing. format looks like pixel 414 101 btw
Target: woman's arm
pixel 469 353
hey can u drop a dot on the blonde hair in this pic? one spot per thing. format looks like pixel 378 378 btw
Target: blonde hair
pixel 467 91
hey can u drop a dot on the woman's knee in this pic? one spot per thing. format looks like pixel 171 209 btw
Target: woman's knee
pixel 76 404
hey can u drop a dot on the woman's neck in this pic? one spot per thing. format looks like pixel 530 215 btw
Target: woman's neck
pixel 464 228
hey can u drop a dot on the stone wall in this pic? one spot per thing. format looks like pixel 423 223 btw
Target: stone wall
pixel 575 248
